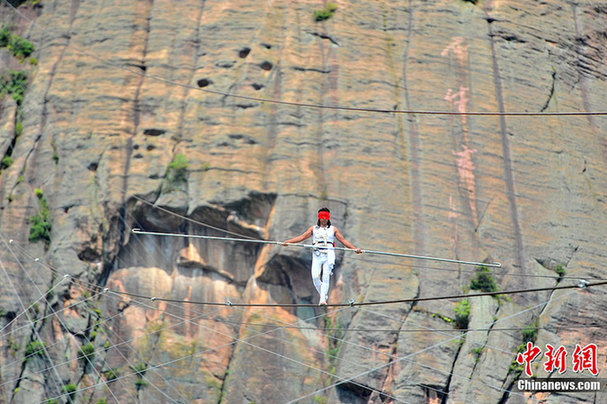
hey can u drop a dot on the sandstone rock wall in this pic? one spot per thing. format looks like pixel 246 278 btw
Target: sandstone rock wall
pixel 120 89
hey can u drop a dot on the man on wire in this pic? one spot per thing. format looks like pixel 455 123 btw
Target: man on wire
pixel 323 238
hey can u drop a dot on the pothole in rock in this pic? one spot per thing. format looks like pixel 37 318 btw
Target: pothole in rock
pixel 204 83
pixel 244 52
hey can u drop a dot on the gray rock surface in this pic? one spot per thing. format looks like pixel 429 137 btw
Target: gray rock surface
pixel 120 89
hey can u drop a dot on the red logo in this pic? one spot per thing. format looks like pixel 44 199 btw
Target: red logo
pixel 556 359
pixel 527 357
pixel 583 358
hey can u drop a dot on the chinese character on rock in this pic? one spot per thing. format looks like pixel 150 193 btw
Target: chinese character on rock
pixel 461 96
pixel 556 359
pixel 585 358
pixel 527 357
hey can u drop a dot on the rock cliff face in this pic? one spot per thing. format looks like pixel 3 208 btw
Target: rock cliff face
pixel 120 91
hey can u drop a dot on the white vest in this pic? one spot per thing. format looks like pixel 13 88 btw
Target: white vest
pixel 323 236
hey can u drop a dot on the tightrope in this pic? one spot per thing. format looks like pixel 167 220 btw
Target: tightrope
pixel 581 285
pixel 421 257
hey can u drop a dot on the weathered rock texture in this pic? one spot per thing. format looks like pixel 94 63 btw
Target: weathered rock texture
pixel 122 87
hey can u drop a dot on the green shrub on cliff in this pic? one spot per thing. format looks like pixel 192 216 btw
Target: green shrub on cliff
pixel 111 374
pixel 86 353
pixel 325 13
pixel 13 83
pixel 178 167
pixel 462 314
pixel 483 280
pixel 5 36
pixel 20 47
pixel 176 172
pixel 40 228
pixel 477 352
pixel 140 369
pixel 140 383
pixel 70 390
pixel 7 161
pixel 560 270
pixel 529 333
pixel 34 348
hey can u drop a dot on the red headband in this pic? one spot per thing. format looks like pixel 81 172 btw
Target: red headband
pixel 324 215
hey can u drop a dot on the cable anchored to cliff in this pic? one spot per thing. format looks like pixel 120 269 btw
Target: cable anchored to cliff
pixel 155 366
pixel 422 257
pixel 144 74
pixel 582 284
pixel 168 211
pixel 338 107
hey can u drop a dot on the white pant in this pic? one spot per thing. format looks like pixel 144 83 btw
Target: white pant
pixel 320 259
